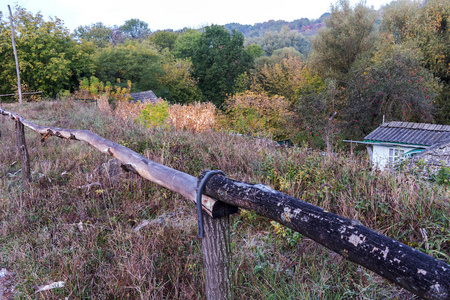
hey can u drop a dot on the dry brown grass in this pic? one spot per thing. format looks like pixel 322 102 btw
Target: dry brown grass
pixel 197 117
pixel 103 103
pixel 61 230
pixel 128 110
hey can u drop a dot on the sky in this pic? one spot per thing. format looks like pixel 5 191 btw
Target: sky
pixel 178 14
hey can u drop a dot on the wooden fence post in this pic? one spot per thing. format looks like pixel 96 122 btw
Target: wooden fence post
pixel 23 154
pixel 216 246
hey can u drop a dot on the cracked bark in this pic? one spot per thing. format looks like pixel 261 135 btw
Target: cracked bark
pixel 216 248
pixel 415 271
pixel 172 179
pixel 23 154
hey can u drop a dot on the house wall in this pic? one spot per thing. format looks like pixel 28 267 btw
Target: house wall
pixel 380 155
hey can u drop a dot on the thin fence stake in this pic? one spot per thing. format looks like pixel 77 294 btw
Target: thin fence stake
pixel 15 56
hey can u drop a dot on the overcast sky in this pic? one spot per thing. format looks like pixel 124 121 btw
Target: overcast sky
pixel 177 14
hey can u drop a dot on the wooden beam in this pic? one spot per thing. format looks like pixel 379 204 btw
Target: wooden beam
pixel 417 272
pixel 172 179
pixel 29 93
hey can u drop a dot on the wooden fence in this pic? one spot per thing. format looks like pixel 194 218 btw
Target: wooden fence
pixel 415 271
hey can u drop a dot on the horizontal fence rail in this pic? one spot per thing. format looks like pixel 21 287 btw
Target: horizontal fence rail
pixel 29 93
pixel 174 180
pixel 415 271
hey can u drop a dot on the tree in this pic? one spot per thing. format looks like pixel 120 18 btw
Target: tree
pixel 283 78
pixel 254 51
pixel 164 39
pixel 50 61
pixel 349 36
pixel 286 37
pixel 178 81
pixel 97 33
pixel 258 114
pixel 425 26
pixel 399 19
pixel 395 85
pixel 317 110
pixel 185 44
pixel 136 61
pixel 277 56
pixel 135 29
pixel 218 59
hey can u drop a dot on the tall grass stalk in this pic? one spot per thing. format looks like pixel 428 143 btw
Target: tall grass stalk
pixel 60 229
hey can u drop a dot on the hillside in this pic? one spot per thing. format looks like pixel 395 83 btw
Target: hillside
pixel 303 25
pixel 79 224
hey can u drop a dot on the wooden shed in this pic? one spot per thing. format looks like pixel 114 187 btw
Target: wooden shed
pixel 393 142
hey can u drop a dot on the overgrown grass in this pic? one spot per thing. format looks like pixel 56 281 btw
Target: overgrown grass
pixel 61 229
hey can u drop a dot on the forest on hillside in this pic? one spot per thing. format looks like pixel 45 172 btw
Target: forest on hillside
pixel 280 79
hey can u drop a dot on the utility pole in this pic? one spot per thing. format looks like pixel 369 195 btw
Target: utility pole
pixel 15 56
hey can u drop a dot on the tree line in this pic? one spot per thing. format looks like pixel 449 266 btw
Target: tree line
pixel 362 65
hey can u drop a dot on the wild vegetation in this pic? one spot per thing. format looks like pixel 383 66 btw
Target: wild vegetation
pixel 77 222
pixel 224 97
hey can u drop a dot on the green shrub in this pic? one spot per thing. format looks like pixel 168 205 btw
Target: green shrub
pixel 442 177
pixel 155 115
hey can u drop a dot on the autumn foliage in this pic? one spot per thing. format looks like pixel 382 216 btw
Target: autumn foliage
pixel 258 115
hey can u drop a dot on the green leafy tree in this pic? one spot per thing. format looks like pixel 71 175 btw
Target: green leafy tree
pixel 254 51
pixel 284 38
pixel 135 29
pixel 164 39
pixel 426 26
pixel 349 36
pixel 97 33
pixel 277 56
pixel 49 60
pixel 315 104
pixel 218 59
pixel 185 44
pixel 136 61
pixel 177 80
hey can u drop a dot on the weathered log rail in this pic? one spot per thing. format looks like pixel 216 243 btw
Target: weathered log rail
pixel 415 271
pixel 174 180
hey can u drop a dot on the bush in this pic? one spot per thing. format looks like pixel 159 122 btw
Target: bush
pixel 442 176
pixel 155 115
pixel 257 115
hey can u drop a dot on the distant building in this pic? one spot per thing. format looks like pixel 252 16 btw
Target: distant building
pixel 144 97
pixel 392 142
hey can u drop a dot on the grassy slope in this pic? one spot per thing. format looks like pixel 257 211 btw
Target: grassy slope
pixel 41 241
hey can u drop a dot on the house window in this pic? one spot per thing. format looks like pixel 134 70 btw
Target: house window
pixel 395 156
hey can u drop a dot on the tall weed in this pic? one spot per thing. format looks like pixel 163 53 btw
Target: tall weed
pixel 78 225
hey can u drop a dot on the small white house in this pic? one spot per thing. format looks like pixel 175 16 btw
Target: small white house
pixel 392 142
